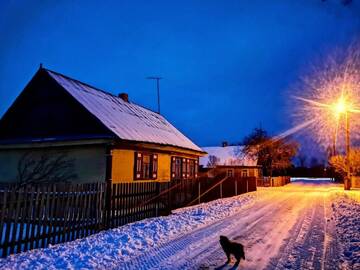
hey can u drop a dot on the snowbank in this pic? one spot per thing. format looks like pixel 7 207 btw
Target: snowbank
pixel 108 248
pixel 347 217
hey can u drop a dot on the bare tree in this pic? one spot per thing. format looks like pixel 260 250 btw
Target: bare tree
pixel 213 161
pixel 45 168
pixel 271 154
pixel 338 162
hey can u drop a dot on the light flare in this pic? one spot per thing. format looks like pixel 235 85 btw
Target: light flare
pixel 327 94
pixel 340 106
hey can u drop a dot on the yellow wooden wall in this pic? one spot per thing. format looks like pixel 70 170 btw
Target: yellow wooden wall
pixel 123 166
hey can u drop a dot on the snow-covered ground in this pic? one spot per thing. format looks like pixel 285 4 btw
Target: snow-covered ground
pixel 304 225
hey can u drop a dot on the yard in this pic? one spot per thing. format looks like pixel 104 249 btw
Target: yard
pixel 304 225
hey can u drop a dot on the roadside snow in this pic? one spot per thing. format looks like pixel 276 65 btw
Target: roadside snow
pixel 109 248
pixel 347 218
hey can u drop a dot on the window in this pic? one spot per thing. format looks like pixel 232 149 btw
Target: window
pixel 176 168
pixel 244 173
pixel 183 168
pixel 146 162
pixel 146 166
pixel 196 168
pixel 191 168
pixel 230 173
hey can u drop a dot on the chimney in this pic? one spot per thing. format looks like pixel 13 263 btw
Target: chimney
pixel 224 144
pixel 124 97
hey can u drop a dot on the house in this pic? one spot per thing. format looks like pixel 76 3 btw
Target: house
pixel 229 160
pixel 103 136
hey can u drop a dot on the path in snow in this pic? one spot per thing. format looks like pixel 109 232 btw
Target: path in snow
pixel 285 228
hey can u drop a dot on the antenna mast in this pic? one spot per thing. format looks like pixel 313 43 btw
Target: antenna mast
pixel 157 87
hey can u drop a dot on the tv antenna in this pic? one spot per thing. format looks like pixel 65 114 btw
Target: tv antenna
pixel 157 87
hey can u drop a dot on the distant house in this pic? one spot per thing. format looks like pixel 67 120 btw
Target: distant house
pixel 229 160
pixel 106 137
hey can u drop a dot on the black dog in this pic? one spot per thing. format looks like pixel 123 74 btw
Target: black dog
pixel 234 248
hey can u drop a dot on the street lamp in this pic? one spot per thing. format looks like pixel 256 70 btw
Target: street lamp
pixel 342 107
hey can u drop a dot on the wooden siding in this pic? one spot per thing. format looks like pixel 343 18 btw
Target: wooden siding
pixel 123 165
pixel 89 161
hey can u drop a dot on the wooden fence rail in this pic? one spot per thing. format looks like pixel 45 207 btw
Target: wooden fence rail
pixel 35 216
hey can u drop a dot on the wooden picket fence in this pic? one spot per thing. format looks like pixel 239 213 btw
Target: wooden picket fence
pixel 129 202
pixel 38 215
pixel 276 181
pixel 35 216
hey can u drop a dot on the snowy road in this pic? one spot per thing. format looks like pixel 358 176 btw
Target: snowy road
pixel 304 225
pixel 288 227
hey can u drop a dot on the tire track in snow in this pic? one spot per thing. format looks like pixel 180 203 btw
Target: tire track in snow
pixel 155 256
pixel 191 250
pixel 310 249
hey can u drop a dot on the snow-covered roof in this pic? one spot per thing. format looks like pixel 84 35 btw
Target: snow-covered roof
pixel 126 120
pixel 228 155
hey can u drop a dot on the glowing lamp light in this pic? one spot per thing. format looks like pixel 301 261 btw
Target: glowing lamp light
pixel 341 106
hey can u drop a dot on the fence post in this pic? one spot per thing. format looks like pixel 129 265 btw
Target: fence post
pixel 107 216
pixel 221 190
pixel 169 202
pixel 108 181
pixel 247 185
pixel 157 200
pixel 199 192
pixel 236 191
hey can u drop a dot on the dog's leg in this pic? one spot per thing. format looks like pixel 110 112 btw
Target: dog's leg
pixel 228 258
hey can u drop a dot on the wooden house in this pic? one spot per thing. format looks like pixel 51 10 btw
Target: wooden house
pixel 106 137
pixel 229 160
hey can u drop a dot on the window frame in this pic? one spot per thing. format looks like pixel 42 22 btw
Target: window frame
pixel 186 169
pixel 139 166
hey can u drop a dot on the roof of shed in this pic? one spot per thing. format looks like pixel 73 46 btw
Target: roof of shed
pixel 128 121
pixel 228 155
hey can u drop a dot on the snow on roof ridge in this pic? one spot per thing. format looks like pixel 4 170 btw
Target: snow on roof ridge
pixel 127 120
pixel 98 89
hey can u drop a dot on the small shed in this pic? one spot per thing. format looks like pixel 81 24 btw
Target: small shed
pixel 230 160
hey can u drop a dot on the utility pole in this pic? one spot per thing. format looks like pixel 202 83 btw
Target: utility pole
pixel 157 87
pixel 333 152
pixel 347 183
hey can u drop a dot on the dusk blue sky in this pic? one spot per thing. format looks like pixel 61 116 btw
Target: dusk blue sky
pixel 227 65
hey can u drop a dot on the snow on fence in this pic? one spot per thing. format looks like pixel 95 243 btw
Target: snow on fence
pixel 36 216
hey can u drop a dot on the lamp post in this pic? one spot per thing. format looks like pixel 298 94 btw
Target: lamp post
pixel 343 108
pixel 347 182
